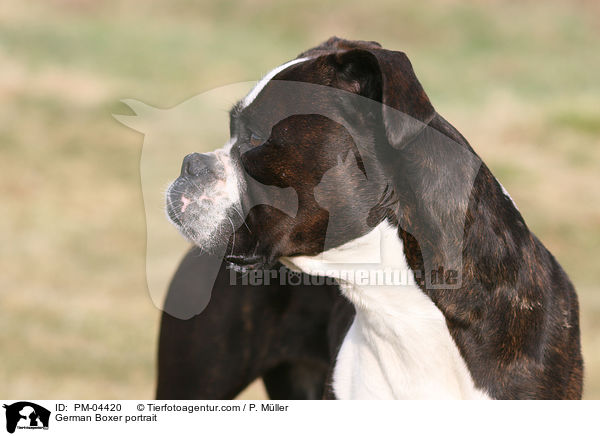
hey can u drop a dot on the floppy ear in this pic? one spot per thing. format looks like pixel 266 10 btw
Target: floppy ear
pixel 334 44
pixel 388 77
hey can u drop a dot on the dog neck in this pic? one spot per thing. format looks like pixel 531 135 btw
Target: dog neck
pixel 398 345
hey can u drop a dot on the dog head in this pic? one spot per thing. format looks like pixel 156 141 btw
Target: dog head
pixel 330 122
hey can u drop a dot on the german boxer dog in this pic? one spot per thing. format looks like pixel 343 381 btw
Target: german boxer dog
pixel 380 182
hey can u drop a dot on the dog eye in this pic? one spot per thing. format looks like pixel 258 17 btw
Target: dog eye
pixel 255 140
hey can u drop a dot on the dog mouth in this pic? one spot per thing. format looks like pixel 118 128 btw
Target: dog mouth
pixel 182 202
pixel 242 263
pixel 179 205
pixel 194 209
pixel 205 213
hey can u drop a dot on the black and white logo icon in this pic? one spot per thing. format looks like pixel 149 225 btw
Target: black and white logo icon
pixel 26 415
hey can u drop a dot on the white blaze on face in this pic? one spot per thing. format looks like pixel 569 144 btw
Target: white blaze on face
pixel 263 82
pixel 232 184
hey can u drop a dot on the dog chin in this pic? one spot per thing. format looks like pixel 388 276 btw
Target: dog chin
pixel 206 226
pixel 208 239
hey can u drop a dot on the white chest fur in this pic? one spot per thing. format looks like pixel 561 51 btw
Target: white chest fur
pixel 398 346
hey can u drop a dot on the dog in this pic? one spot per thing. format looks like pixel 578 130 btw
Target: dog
pixel 339 165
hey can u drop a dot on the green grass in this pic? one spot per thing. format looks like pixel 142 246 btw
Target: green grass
pixel 520 80
pixel 579 121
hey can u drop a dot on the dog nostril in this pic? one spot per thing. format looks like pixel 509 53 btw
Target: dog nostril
pixel 193 165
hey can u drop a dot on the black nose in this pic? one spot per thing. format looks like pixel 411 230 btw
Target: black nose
pixel 195 164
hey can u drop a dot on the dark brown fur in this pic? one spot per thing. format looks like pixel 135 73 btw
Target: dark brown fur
pixel 515 315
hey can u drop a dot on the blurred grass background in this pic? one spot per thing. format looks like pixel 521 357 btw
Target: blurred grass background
pixel 519 79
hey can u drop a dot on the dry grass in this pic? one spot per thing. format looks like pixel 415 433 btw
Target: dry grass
pixel 520 80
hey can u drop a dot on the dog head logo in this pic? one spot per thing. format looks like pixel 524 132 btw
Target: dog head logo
pixel 26 415
pixel 260 197
pixel 170 134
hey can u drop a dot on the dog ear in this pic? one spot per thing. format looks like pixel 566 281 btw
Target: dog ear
pixel 334 44
pixel 388 77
